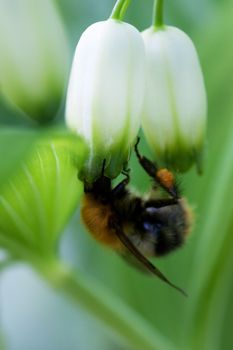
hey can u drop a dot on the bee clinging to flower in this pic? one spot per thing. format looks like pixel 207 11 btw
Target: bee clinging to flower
pixel 138 227
pixel 130 79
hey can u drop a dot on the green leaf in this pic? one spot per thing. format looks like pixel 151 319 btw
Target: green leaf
pixel 37 201
pixel 14 146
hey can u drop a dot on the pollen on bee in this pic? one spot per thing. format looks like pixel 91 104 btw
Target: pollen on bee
pixel 96 218
pixel 165 177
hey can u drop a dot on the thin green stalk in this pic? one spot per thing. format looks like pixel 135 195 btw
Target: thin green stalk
pixel 207 319
pixel 219 294
pixel 2 342
pixel 119 9
pixel 218 194
pixel 125 323
pixel 124 8
pixel 217 240
pixel 157 20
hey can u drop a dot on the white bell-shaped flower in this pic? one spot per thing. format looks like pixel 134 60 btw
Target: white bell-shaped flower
pixel 175 106
pixel 34 56
pixel 105 94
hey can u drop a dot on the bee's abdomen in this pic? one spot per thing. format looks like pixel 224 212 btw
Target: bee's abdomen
pixel 97 218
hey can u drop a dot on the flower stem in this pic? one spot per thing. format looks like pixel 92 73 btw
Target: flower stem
pixel 119 9
pixel 210 277
pixel 125 323
pixel 124 8
pixel 157 20
pixel 2 341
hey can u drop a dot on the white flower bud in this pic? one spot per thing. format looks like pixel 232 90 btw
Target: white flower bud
pixel 33 56
pixel 175 108
pixel 105 94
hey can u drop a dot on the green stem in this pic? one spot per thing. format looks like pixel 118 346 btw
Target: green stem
pixel 125 323
pixel 2 341
pixel 119 9
pixel 124 8
pixel 157 20
pixel 209 290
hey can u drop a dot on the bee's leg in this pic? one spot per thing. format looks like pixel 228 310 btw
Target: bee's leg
pixel 120 188
pixel 159 203
pixel 126 172
pixel 148 166
pixel 162 176
pixel 103 167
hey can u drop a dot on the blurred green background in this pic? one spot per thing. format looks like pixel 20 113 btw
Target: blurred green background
pixel 34 317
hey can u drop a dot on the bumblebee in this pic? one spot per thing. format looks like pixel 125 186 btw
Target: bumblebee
pixel 138 227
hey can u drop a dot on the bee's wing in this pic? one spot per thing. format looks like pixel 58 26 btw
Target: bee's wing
pixel 140 261
pixel 133 261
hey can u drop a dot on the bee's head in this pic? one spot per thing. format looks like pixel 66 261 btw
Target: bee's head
pixel 166 227
pixel 101 188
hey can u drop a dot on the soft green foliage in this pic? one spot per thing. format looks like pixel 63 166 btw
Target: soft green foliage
pixel 37 200
pixel 144 312
pixel 8 139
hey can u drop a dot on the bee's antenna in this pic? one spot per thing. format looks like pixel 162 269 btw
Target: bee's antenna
pixel 103 167
pixel 136 148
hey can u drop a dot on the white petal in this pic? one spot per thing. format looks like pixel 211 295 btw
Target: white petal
pixel 175 104
pixel 106 88
pixel 34 51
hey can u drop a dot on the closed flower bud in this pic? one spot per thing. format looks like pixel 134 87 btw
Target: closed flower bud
pixel 105 94
pixel 33 56
pixel 175 108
